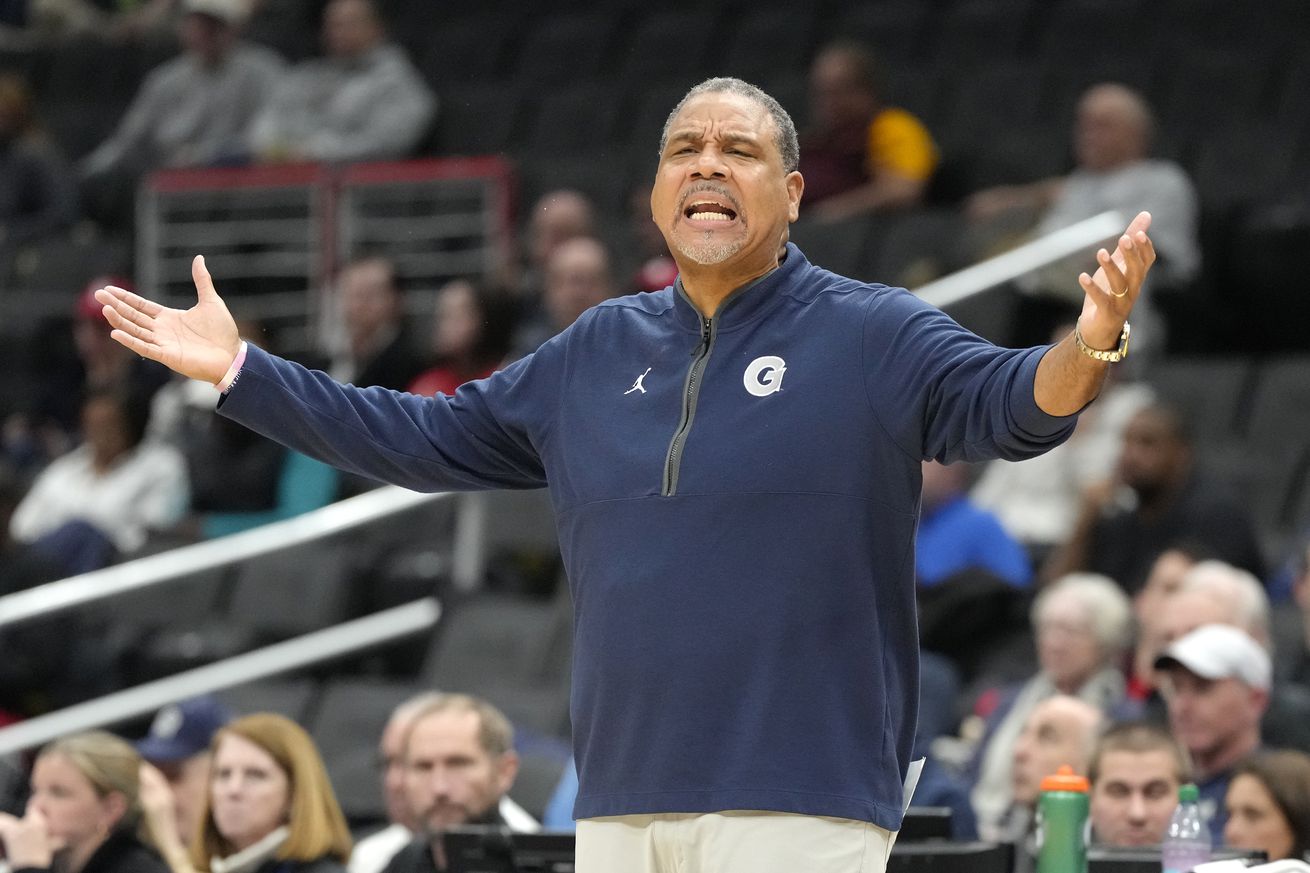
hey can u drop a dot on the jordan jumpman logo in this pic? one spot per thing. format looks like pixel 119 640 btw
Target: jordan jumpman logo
pixel 637 386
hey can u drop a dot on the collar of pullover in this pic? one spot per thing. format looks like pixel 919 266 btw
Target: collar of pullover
pixel 747 302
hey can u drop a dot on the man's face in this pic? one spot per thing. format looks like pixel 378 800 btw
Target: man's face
pixel 721 195
pixel 1067 647
pixel 450 778
pixel 1056 733
pixel 189 779
pixel 577 278
pixel 1134 796
pixel 1152 455
pixel 205 37
pixel 1207 715
pixel 1108 131
pixel 836 96
pixel 369 302
pixel 1165 578
pixel 350 28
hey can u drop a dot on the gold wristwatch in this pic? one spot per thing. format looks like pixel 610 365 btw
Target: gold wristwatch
pixel 1111 356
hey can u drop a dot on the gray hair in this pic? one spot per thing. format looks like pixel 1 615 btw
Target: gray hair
pixel 785 129
pixel 1239 588
pixel 1108 610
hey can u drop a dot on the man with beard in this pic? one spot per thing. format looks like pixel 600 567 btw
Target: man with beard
pixel 735 466
pixel 459 762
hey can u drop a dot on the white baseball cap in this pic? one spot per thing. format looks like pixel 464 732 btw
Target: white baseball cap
pixel 1220 651
pixel 227 11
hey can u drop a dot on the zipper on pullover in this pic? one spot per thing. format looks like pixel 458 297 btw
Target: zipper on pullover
pixel 690 393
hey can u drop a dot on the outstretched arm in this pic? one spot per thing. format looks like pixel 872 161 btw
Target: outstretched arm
pixel 1067 380
pixel 200 342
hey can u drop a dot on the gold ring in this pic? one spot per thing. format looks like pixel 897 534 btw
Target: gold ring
pixel 1123 293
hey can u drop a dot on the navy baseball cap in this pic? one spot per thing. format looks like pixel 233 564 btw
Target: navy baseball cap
pixel 181 730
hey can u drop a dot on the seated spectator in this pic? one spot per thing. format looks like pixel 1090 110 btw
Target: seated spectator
pixel 374 852
pixel 1082 625
pixel 578 276
pixel 1059 731
pixel 1165 579
pixel 175 773
pixel 1157 497
pixel 374 348
pixel 37 197
pixel 363 101
pixel 1135 773
pixel 654 266
pixel 84 811
pixel 859 154
pixel 1216 686
pixel 557 217
pixel 460 762
pixel 270 807
pixel 955 535
pixel 1268 805
pixel 470 337
pixel 1112 140
pixel 194 110
pixel 102 499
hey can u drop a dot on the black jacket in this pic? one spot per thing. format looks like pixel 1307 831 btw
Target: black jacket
pixel 120 853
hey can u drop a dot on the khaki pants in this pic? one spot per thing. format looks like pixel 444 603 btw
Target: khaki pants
pixel 731 842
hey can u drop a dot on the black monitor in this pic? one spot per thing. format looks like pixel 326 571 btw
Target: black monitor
pixel 945 857
pixel 491 849
pixel 925 823
pixel 1108 859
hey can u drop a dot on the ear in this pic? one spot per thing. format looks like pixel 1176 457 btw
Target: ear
pixel 113 806
pixel 795 183
pixel 507 768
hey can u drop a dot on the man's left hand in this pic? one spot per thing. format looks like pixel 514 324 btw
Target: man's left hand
pixel 1116 286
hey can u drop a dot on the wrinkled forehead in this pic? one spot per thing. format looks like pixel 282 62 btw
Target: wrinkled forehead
pixel 722 113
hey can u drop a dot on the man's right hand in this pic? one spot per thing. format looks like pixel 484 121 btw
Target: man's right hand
pixel 200 342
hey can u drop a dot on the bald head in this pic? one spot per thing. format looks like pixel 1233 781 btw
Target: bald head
pixel 1113 128
pixel 1060 730
pixel 1213 592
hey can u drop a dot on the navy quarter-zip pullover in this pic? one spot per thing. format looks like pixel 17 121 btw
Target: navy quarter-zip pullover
pixel 737 500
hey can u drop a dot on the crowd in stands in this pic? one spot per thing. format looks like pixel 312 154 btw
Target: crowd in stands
pixel 1112 605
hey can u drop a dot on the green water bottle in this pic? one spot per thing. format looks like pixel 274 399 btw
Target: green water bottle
pixel 1062 823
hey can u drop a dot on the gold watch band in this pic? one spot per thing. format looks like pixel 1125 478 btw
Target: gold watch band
pixel 1110 356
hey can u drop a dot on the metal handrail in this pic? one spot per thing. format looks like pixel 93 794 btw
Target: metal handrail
pixel 177 564
pixel 303 651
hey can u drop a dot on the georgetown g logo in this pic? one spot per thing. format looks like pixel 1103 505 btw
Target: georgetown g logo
pixel 764 375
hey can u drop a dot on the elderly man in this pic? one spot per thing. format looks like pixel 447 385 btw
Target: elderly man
pixel 1216 686
pixel 1059 731
pixel 735 464
pixel 1112 139
pixel 375 851
pixel 1082 624
pixel 375 348
pixel 363 101
pixel 459 763
pixel 578 276
pixel 1135 771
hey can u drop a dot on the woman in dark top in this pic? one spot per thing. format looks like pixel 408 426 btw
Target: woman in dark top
pixel 270 807
pixel 84 813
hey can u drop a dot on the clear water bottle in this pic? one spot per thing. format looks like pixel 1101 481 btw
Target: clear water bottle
pixel 1187 842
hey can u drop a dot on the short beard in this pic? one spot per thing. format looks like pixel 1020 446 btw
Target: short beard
pixel 707 253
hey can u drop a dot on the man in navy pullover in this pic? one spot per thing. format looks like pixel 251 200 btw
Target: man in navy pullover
pixel 735 467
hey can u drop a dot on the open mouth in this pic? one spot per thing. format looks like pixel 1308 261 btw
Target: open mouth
pixel 709 210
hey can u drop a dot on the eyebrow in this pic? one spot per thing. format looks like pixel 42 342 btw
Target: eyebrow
pixel 696 136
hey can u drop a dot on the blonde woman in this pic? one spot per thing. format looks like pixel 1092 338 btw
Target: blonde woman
pixel 270 805
pixel 84 814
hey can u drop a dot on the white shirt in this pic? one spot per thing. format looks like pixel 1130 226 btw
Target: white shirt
pixel 373 853
pixel 145 490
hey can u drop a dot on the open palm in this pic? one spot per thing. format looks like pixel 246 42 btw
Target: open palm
pixel 200 342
